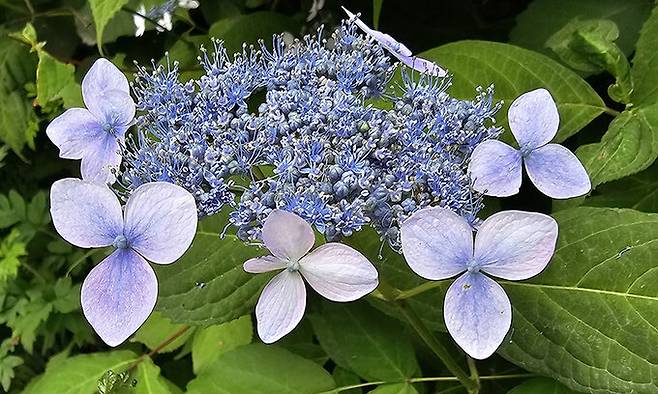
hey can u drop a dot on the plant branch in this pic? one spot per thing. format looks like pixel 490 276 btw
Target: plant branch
pixel 161 346
pixel 431 379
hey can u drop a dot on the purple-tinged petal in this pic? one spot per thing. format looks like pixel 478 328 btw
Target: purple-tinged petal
pixel 477 314
pixel 85 214
pixel 101 160
pixel 423 66
pixel 515 245
pixel 102 77
pixel 388 42
pixel 281 306
pixel 118 295
pixel 264 264
pixel 533 119
pixel 74 132
pixel 436 243
pixel 287 235
pixel 161 221
pixel 495 169
pixel 339 272
pixel 557 172
pixel 115 110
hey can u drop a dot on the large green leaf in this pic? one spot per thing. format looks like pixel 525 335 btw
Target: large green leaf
pixel 645 63
pixel 541 386
pixel 103 11
pixel 261 369
pixel 157 329
pixel 80 374
pixel 514 71
pixel 360 339
pixel 629 146
pixel 542 18
pixel 639 192
pixel 208 285
pixel 211 342
pixel 249 28
pixel 148 379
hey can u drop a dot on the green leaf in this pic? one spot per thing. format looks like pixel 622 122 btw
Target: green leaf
pixel 80 374
pixel 103 11
pixel 211 342
pixel 395 388
pixel 376 12
pixel 11 250
pixel 343 377
pixel 148 379
pixel 639 192
pixel 249 28
pixel 514 71
pixel 53 79
pixel 372 346
pixel 629 146
pixel 261 369
pixel 157 329
pixel 644 72
pixel 542 18
pixel 541 386
pixel 208 285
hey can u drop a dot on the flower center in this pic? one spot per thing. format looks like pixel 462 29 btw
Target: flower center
pixel 473 266
pixel 120 242
pixel 293 266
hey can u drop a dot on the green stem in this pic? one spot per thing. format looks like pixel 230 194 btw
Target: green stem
pixel 611 111
pixel 404 294
pixel 430 379
pixel 437 347
pixel 161 346
pixel 33 271
pixel 81 259
pixel 473 369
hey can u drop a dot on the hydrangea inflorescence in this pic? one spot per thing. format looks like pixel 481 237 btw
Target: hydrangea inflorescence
pixel 311 116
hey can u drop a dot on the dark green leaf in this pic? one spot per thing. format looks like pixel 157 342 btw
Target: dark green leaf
pixel 639 192
pixel 373 346
pixel 211 342
pixel 514 71
pixel 261 369
pixel 103 11
pixel 395 388
pixel 541 386
pixel 644 72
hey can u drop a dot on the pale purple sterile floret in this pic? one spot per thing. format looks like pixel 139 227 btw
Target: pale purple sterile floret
pixel 513 245
pixel 399 50
pixel 336 271
pixel 157 224
pixel 96 133
pixel 495 167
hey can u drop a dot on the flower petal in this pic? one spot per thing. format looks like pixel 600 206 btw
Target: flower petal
pixel 118 295
pixel 557 172
pixel 339 272
pixel 74 132
pixel 85 214
pixel 495 169
pixel 287 235
pixel 116 111
pixel 436 243
pixel 514 244
pixel 477 314
pixel 264 264
pixel 102 77
pixel 423 66
pixel 100 160
pixel 161 221
pixel 281 306
pixel 534 119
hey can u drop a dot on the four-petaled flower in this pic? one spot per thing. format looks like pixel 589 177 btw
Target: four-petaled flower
pixel 158 224
pixel 495 167
pixel 513 245
pixel 399 50
pixel 96 133
pixel 335 271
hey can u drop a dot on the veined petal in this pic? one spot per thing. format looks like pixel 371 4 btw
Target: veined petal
pixel 161 220
pixel 102 77
pixel 281 306
pixel 557 172
pixel 495 169
pixel 534 119
pixel 339 272
pixel 436 243
pixel 118 295
pixel 423 66
pixel 85 214
pixel 116 110
pixel 287 236
pixel 477 314
pixel 100 159
pixel 264 264
pixel 75 132
pixel 514 244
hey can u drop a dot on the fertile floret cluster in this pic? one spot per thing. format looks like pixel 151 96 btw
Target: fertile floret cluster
pixel 313 127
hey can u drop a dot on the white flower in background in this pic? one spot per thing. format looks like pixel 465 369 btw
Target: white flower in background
pixel 161 14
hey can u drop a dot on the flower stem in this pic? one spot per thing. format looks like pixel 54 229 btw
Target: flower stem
pixel 430 379
pixel 161 346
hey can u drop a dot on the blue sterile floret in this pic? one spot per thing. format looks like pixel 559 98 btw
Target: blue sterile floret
pixel 315 127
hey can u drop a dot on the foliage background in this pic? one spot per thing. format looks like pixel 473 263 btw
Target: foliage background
pixel 588 323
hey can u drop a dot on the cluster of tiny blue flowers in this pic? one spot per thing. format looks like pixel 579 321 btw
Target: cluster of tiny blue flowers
pixel 312 127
